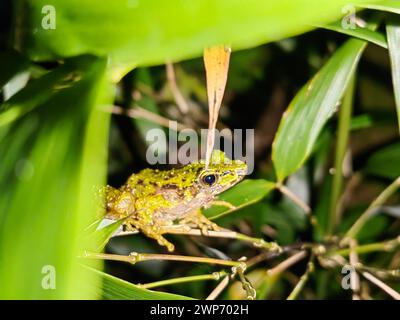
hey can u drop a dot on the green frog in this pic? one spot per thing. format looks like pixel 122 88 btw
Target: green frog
pixel 154 201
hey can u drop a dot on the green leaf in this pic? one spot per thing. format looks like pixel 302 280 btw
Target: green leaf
pixel 242 195
pixel 361 33
pixel 138 32
pixel 100 237
pixel 37 92
pixel 387 5
pixel 117 289
pixel 385 162
pixel 311 108
pixel 53 155
pixel 11 63
pixel 393 35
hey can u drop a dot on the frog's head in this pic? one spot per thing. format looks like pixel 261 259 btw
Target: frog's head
pixel 221 173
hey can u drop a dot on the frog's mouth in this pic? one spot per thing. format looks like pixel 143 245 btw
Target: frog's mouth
pixel 241 172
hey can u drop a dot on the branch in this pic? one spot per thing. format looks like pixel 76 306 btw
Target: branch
pixel 218 289
pixel 303 279
pixel 213 276
pixel 179 99
pixel 380 200
pixel 379 283
pixel 287 263
pixel 135 257
pixel 286 191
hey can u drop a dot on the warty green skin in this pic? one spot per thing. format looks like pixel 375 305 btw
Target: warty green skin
pixel 152 199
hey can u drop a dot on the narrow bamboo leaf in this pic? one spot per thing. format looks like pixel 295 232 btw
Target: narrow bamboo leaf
pixel 52 156
pixel 311 108
pixel 113 288
pixel 361 33
pixel 393 35
pixel 145 32
pixel 242 195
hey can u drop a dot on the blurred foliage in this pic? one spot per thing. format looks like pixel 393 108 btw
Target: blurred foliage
pixel 59 86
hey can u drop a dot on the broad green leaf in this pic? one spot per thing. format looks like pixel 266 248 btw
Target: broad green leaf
pixel 361 33
pixel 311 108
pixel 385 162
pixel 242 195
pixel 114 288
pixel 393 35
pixel 52 156
pixel 147 32
pixel 386 5
pixel 37 92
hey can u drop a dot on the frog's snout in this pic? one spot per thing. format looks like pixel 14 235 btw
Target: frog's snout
pixel 242 169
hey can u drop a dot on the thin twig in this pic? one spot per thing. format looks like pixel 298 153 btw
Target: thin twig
pixel 287 192
pixel 339 260
pixel 218 289
pixel 380 200
pixel 354 277
pixel 351 185
pixel 202 277
pixel 179 99
pixel 257 242
pixel 379 283
pixel 226 234
pixel 287 263
pixel 136 257
pixel 387 246
pixel 138 112
pixel 303 280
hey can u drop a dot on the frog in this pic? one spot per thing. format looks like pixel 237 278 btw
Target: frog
pixel 153 201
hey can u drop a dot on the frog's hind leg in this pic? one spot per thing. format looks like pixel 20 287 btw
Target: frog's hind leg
pixel 197 219
pixel 151 230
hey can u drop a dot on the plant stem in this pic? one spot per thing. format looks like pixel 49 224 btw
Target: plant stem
pixel 135 257
pixel 380 200
pixel 354 277
pixel 390 291
pixel 258 242
pixel 387 246
pixel 286 191
pixel 345 112
pixel 179 99
pixel 218 289
pixel 214 276
pixel 287 263
pixel 138 112
pixel 303 279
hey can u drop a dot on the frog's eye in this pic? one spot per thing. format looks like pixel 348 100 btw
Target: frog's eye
pixel 209 179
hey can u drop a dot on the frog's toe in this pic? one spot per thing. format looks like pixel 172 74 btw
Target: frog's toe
pixel 207 225
pixel 215 227
pixel 169 245
pixel 165 243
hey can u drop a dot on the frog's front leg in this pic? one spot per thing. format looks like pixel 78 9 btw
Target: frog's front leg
pixel 151 228
pixel 197 219
pixel 222 203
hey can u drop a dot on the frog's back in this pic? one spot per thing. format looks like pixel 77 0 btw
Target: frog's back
pixel 164 193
